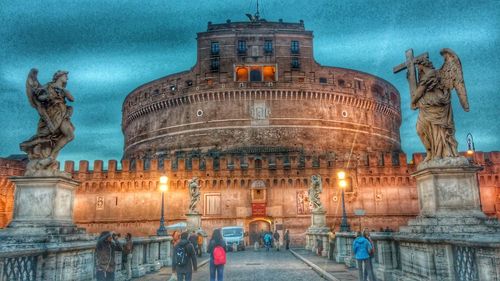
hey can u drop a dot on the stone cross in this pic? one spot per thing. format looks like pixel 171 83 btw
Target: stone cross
pixel 410 65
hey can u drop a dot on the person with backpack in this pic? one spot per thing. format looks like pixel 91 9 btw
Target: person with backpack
pixel 268 239
pixel 217 256
pixel 184 259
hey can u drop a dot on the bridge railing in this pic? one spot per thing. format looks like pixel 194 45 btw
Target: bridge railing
pixel 76 260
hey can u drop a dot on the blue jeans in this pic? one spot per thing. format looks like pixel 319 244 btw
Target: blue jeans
pixel 219 269
pixel 184 276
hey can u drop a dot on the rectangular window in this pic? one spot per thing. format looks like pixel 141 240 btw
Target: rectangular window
pixel 295 63
pixel 323 80
pixel 242 46
pixel 215 49
pixel 212 204
pixel 214 64
pixel 268 46
pixel 294 48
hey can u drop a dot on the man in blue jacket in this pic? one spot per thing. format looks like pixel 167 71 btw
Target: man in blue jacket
pixel 361 248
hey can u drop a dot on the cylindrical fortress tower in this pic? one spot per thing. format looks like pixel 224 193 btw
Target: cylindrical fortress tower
pixel 257 87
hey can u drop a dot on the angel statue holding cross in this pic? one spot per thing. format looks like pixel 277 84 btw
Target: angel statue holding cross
pixel 430 91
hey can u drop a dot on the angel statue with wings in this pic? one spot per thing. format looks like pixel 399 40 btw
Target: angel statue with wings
pixel 194 194
pixel 431 95
pixel 314 191
pixel 54 129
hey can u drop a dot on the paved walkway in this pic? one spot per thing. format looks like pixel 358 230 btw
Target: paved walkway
pixel 339 271
pixel 252 266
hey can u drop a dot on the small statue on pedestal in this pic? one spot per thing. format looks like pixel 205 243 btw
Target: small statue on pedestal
pixel 194 194
pixel 314 191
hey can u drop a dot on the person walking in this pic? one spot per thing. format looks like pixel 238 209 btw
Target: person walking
pixel 331 240
pixel 217 253
pixel 361 248
pixel 276 237
pixel 107 244
pixel 370 274
pixel 268 239
pixel 193 238
pixel 287 239
pixel 200 243
pixel 184 259
pixel 128 248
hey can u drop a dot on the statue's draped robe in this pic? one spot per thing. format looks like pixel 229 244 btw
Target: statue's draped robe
pixel 435 124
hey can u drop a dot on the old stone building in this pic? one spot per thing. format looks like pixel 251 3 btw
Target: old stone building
pixel 253 120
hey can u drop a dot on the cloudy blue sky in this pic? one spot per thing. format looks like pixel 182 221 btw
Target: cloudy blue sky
pixel 111 47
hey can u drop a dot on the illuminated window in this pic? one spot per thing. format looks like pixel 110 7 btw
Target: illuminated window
pixel 269 73
pixel 255 74
pixel 241 74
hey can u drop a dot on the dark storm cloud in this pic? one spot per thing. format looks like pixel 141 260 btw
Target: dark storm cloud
pixel 111 47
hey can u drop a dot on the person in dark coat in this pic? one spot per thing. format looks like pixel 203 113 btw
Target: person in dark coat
pixel 185 272
pixel 193 238
pixel 107 244
pixel 287 239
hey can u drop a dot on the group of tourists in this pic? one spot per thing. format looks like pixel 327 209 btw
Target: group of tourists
pixel 107 245
pixel 268 239
pixel 187 247
pixel 364 251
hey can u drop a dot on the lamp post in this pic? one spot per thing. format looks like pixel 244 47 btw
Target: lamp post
pixel 471 150
pixel 470 147
pixel 344 226
pixel 162 231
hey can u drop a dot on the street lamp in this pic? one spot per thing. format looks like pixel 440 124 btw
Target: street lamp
pixel 344 226
pixel 162 231
pixel 470 145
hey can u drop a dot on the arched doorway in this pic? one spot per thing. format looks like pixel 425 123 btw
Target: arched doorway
pixel 255 228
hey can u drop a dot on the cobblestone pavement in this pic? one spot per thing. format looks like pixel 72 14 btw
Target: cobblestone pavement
pixel 253 266
pixel 339 271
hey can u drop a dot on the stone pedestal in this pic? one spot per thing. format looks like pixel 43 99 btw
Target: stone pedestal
pixel 193 222
pixel 43 206
pixel 449 199
pixel 318 231
pixel 451 239
pixel 42 232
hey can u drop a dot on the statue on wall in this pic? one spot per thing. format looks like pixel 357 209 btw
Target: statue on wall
pixel 431 95
pixel 314 191
pixel 54 129
pixel 194 194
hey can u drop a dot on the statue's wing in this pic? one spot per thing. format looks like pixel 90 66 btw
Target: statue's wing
pixel 452 76
pixel 32 85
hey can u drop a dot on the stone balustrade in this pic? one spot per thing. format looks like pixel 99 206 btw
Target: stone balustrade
pixel 474 258
pixel 75 260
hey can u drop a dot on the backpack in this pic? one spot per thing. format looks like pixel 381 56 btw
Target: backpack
pixel 181 258
pixel 267 238
pixel 219 255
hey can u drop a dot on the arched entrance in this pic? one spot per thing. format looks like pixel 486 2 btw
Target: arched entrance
pixel 255 228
